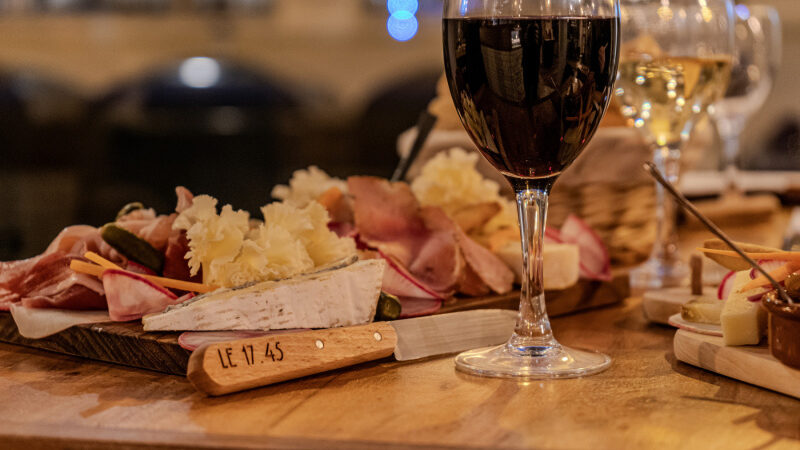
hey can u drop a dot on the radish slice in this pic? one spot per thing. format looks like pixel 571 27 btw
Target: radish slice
pixel 595 263
pixel 413 307
pixel 399 282
pixel 130 296
pixel 767 264
pixel 725 287
pixel 552 235
pixel 191 340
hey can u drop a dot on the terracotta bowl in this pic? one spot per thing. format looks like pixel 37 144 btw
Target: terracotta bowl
pixel 784 330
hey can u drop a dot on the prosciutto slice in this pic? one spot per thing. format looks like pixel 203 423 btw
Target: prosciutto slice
pixel 424 240
pixel 46 281
pixel 145 224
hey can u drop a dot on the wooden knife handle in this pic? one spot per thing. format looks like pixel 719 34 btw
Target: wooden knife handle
pixel 233 366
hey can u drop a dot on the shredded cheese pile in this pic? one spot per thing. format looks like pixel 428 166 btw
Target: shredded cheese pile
pixel 307 185
pixel 232 250
pixel 451 181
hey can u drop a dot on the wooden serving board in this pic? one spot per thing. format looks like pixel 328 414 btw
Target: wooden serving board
pixel 751 364
pixel 127 344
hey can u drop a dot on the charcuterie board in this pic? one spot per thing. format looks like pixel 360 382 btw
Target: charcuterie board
pixel 751 364
pixel 127 344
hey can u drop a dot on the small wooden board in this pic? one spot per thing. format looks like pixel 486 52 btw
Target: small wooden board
pixel 751 364
pixel 127 344
pixel 659 305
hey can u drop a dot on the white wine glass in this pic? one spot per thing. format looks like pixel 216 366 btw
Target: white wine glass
pixel 531 80
pixel 675 60
pixel 756 61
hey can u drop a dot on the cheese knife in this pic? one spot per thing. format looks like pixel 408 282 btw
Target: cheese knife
pixel 222 368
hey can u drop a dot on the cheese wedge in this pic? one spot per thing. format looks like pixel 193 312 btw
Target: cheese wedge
pixel 561 263
pixel 335 298
pixel 743 322
pixel 702 310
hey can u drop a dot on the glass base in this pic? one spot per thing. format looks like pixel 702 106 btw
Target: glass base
pixel 554 362
pixel 658 273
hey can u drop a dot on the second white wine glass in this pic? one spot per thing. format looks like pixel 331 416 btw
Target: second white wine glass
pixel 675 61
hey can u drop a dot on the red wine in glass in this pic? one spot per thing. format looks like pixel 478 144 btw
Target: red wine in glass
pixel 531 90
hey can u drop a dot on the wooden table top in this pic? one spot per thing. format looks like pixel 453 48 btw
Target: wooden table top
pixel 646 399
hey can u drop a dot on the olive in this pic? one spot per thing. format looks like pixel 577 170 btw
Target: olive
pixel 792 284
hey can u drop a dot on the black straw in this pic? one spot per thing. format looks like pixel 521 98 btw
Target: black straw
pixel 424 126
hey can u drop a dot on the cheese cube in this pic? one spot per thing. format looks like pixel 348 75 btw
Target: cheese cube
pixel 561 263
pixel 743 322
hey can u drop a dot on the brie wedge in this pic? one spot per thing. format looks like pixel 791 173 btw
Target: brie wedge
pixel 561 263
pixel 335 298
pixel 743 322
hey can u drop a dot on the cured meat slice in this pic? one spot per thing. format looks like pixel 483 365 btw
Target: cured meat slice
pixel 185 199
pixel 131 296
pixel 414 307
pixel 46 281
pixel 155 230
pixel 387 217
pixel 398 281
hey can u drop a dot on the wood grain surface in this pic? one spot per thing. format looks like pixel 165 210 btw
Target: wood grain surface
pixel 127 344
pixel 749 363
pixel 647 399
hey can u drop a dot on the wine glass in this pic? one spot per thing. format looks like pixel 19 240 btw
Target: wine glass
pixel 755 65
pixel 531 80
pixel 675 59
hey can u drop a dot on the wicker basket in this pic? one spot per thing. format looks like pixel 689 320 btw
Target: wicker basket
pixel 606 187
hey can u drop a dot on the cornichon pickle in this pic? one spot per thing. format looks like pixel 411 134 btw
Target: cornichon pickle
pixel 129 208
pixel 133 247
pixel 388 307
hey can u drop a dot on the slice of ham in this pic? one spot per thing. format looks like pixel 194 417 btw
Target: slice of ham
pixel 155 230
pixel 414 307
pixel 399 282
pixel 175 264
pixel 185 199
pixel 47 281
pixel 439 262
pixel 387 217
pixel 131 296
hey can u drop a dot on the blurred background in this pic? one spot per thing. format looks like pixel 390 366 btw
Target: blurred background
pixel 104 102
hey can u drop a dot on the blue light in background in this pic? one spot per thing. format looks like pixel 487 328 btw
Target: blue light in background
pixel 402 25
pixel 742 11
pixel 402 5
pixel 402 28
pixel 463 7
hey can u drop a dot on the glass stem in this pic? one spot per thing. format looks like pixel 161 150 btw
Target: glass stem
pixel 532 334
pixel 667 160
pixel 729 128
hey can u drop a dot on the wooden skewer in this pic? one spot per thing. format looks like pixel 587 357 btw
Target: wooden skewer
pixel 687 205
pixel 96 270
